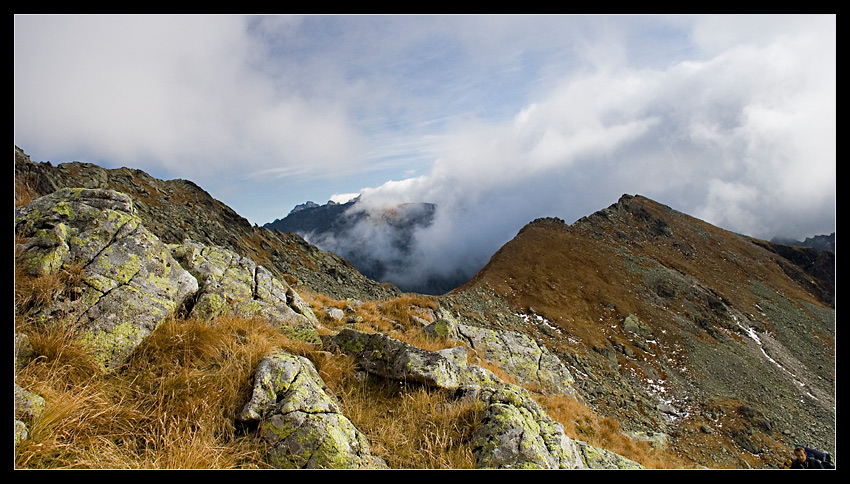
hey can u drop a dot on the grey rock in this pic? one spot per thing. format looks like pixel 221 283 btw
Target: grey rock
pixel 517 434
pixel 230 283
pixel 596 458
pixel 520 356
pixel 129 283
pixel 336 313
pixel 27 403
pixel 300 421
pixel 390 358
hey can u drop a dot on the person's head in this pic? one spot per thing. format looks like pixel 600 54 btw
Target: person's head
pixel 800 454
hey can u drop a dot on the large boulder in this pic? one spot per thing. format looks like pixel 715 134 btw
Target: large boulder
pixel 302 423
pixel 230 283
pixel 390 358
pixel 128 282
pixel 516 433
pixel 517 354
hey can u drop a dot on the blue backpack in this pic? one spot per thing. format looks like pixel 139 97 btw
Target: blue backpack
pixel 820 455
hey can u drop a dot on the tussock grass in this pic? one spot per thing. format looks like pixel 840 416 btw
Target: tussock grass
pixel 34 292
pixel 410 426
pixel 173 404
pixel 581 423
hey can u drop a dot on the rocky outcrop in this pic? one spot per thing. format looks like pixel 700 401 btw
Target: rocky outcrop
pixel 129 282
pixel 515 431
pixel 302 423
pixel 229 283
pixel 179 210
pixel 517 434
pixel 390 358
pixel 516 353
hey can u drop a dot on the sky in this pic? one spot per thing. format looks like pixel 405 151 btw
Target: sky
pixel 496 119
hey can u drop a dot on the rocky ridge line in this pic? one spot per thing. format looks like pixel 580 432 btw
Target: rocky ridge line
pixel 130 282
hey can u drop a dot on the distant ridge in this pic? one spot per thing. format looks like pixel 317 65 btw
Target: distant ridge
pixel 818 242
pixel 377 242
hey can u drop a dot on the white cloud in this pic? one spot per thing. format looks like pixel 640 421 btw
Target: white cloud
pixel 180 92
pixel 744 139
pixel 496 119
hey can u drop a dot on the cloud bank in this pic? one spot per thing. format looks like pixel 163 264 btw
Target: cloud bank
pixel 744 139
pixel 496 119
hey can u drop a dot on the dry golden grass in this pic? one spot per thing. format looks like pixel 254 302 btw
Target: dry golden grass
pixel 581 423
pixel 410 426
pixel 394 317
pixel 33 292
pixel 173 404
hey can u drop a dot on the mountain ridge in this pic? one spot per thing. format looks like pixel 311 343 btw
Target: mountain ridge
pixel 641 296
pixel 647 306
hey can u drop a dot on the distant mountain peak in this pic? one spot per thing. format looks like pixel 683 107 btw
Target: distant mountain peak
pixel 376 241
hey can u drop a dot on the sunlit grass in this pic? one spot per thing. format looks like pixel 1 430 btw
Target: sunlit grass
pixel 173 404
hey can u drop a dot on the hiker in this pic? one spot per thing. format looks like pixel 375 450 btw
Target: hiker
pixel 802 461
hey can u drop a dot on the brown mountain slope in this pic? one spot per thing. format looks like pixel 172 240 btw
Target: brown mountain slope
pixel 677 326
pixel 178 209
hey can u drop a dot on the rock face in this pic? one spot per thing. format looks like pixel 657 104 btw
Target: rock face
pixel 230 283
pixel 129 282
pixel 302 423
pixel 514 352
pixel 390 358
pixel 517 434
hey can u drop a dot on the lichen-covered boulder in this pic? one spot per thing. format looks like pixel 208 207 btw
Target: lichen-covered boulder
pixel 390 358
pixel 128 283
pixel 441 329
pixel 27 405
pixel 300 421
pixel 230 283
pixel 516 433
pixel 515 353
pixel 596 458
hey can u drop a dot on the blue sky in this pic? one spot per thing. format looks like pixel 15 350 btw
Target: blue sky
pixel 497 119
